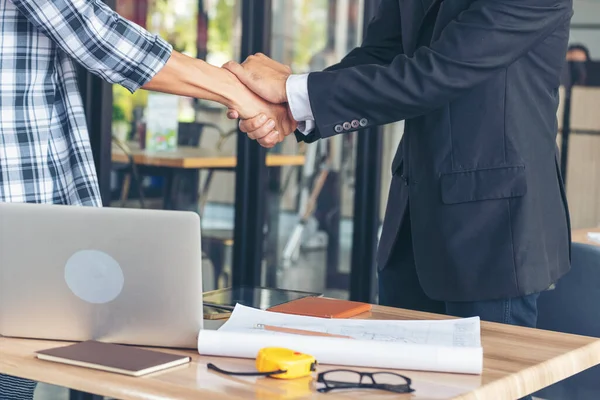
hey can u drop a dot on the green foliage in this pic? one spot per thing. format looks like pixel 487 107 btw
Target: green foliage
pixel 305 37
pixel 182 35
pixel 118 114
pixel 122 104
pixel 311 37
pixel 220 28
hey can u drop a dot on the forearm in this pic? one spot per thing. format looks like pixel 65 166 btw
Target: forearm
pixel 191 77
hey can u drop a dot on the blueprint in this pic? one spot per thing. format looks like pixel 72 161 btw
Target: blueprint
pixel 452 332
pixel 452 345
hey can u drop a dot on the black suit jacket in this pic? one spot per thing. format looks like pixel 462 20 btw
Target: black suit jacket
pixel 477 83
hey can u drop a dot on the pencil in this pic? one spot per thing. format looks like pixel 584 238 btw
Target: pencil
pixel 299 331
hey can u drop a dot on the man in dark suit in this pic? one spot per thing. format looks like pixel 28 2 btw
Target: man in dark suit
pixel 477 221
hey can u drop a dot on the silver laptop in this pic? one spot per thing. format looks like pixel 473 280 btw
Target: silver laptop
pixel 111 274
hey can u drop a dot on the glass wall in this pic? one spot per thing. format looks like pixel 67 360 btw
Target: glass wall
pixel 585 28
pixel 310 187
pixel 173 152
pixel 310 35
pixel 579 135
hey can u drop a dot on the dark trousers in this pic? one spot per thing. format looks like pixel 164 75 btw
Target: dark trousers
pixel 399 287
pixel 520 311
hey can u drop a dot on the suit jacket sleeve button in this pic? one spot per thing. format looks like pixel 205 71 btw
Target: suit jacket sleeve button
pixel 364 122
pixel 347 126
pixel 338 128
pixel 355 124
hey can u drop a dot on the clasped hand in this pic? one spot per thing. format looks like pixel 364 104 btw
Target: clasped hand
pixel 266 78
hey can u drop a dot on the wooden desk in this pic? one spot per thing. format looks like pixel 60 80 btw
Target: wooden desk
pixel 187 157
pixel 517 361
pixel 580 236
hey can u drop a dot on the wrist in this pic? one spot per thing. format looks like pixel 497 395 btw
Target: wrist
pixel 291 118
pixel 231 90
pixel 220 83
pixel 284 89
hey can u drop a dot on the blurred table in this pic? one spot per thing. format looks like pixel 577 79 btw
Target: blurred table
pixel 185 163
pixel 188 157
pixel 517 361
pixel 580 236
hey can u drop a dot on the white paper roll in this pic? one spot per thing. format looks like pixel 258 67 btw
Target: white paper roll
pixel 348 352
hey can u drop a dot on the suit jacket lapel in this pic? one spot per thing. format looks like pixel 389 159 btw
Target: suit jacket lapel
pixel 429 6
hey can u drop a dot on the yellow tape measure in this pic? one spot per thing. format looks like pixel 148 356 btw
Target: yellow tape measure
pixel 277 362
pixel 284 363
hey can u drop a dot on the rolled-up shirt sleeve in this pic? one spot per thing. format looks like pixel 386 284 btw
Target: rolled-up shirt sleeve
pixel 106 44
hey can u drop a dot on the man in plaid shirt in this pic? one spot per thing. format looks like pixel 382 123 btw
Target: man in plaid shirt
pixel 45 154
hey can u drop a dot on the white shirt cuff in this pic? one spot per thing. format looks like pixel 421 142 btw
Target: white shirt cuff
pixel 297 92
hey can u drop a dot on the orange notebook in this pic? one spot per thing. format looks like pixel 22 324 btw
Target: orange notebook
pixel 322 307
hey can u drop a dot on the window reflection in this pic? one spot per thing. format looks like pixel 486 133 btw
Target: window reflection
pixel 206 29
pixel 311 35
pixel 308 35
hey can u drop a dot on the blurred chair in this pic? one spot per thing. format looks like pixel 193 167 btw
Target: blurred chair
pixel 129 171
pixel 216 243
pixel 209 279
pixel 189 134
pixel 203 195
pixel 573 307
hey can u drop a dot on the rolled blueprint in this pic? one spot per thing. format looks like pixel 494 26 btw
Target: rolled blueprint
pixel 346 352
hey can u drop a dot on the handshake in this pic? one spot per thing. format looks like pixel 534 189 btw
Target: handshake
pixel 260 101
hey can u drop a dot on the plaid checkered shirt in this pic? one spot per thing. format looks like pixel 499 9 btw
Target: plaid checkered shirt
pixel 45 153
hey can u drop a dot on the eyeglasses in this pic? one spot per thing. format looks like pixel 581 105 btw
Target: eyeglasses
pixel 348 379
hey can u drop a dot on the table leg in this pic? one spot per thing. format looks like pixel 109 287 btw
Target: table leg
pixel 215 249
pixel 272 215
pixel 77 395
pixel 328 213
pixel 168 196
pixel 194 188
pixel 182 189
